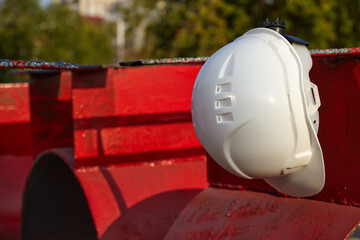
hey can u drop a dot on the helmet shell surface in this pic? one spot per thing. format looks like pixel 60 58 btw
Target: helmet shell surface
pixel 251 114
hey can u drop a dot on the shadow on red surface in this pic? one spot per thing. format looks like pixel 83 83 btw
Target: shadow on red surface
pixel 151 218
pixel 15 139
pixel 55 207
pixel 132 120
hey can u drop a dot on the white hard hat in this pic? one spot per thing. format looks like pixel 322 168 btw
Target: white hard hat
pixel 255 112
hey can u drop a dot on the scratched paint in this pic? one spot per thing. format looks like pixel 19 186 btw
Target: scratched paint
pixel 227 214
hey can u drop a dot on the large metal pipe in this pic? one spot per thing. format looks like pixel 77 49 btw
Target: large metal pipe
pixel 54 205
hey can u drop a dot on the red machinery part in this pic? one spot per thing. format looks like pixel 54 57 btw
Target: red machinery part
pixel 139 171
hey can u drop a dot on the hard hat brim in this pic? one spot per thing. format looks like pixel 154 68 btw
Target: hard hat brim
pixel 305 182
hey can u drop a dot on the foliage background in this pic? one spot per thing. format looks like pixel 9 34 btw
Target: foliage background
pixel 199 28
pixel 173 28
pixel 29 32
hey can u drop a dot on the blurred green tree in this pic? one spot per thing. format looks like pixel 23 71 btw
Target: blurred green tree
pixel 28 32
pixel 64 34
pixel 183 28
pixel 18 28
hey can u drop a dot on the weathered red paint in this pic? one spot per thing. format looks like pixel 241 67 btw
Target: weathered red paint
pixel 227 214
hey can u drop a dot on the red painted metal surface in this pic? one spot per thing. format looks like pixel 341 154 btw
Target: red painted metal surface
pixel 140 201
pixel 136 152
pixel 133 140
pixel 15 155
pixel 14 119
pixel 228 214
pixel 51 111
pixel 134 115
pixel 338 80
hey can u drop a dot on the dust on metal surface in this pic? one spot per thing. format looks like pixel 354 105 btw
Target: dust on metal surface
pixel 6 63
pixel 186 60
pixel 35 64
pixel 334 51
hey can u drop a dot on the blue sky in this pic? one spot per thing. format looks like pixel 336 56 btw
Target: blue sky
pixel 45 2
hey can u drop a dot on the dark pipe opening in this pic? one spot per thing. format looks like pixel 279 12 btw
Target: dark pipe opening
pixel 54 204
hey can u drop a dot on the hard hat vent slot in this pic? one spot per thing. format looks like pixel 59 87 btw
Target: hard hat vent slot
pixel 224 118
pixel 223 103
pixel 223 88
